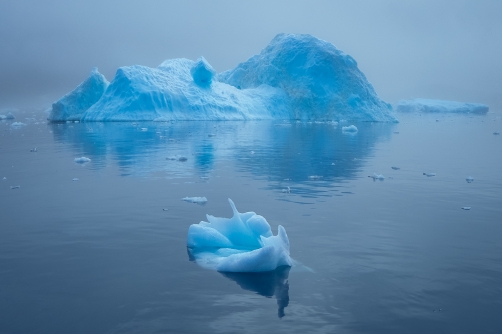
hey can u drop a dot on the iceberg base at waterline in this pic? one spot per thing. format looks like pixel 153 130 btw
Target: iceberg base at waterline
pixel 243 243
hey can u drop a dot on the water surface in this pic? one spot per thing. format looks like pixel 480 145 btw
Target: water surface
pixel 107 253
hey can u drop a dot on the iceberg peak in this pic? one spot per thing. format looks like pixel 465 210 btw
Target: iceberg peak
pixel 202 73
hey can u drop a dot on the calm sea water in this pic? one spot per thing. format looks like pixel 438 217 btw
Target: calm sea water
pixel 107 253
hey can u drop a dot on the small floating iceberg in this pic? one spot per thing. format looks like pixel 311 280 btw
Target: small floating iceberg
pixel 469 179
pixel 82 160
pixel 243 243
pixel 350 129
pixel 376 176
pixel 197 200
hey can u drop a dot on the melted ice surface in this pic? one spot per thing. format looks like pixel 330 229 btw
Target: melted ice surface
pixel 243 243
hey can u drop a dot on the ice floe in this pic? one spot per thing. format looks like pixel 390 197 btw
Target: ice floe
pixel 243 243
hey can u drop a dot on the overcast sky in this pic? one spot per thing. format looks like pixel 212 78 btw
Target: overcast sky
pixel 448 49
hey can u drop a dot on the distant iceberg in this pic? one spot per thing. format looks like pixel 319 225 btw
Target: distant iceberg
pixel 294 77
pixel 440 106
pixel 243 243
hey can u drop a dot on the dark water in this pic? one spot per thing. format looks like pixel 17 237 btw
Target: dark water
pixel 101 255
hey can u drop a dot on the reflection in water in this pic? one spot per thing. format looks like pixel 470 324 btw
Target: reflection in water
pixel 276 152
pixel 267 284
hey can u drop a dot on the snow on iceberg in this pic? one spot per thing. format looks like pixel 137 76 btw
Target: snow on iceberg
pixel 72 106
pixel 294 77
pixel 243 243
pixel 440 106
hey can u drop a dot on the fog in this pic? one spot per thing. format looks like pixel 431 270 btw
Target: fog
pixel 447 50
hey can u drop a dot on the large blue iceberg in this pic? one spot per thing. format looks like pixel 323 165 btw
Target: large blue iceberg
pixel 294 77
pixel 243 243
pixel 440 106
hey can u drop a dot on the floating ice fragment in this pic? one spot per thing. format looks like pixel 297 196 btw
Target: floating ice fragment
pixel 315 177
pixel 177 158
pixel 165 209
pixel 33 149
pixel 243 243
pixel 469 179
pixel 376 176
pixel 197 200
pixel 144 129
pixel 4 178
pixel 9 116
pixel 429 174
pixel 287 190
pixel 466 208
pixel 82 160
pixel 75 179
pixel 17 125
pixel 15 187
pixel 211 135
pixel 350 128
pixel 496 133
pixel 395 168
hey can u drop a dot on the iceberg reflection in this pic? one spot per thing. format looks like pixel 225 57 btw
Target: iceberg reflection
pixel 268 284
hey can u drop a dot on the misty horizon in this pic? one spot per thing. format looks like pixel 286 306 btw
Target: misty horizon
pixel 406 50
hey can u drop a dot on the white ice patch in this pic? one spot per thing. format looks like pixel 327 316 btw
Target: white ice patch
pixel 82 160
pixel 350 128
pixel 17 125
pixel 198 200
pixel 243 243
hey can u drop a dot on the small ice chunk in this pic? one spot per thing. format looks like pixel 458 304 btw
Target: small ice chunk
pixel 350 128
pixel 315 177
pixel 243 243
pixel 4 178
pixel 15 187
pixel 395 168
pixel 429 174
pixel 469 179
pixel 204 177
pixel 75 179
pixel 287 190
pixel 376 176
pixel 211 135
pixel 198 200
pixel 165 209
pixel 9 116
pixel 466 208
pixel 496 133
pixel 33 149
pixel 177 158
pixel 82 160
pixel 144 129
pixel 16 125
pixel 396 132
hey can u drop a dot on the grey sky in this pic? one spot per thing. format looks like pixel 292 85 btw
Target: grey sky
pixel 448 49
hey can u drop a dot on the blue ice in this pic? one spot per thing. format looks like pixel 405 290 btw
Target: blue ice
pixel 243 243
